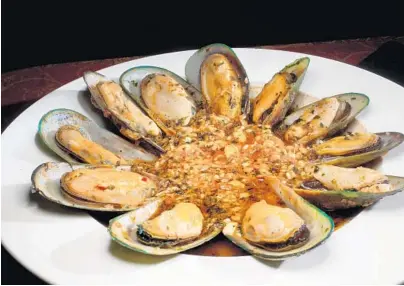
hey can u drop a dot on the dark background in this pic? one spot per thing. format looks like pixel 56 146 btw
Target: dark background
pixel 37 33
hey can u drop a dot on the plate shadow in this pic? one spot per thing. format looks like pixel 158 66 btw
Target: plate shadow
pixel 135 257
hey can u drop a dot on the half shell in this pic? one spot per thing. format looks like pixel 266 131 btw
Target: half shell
pixel 333 153
pixel 318 223
pixel 272 103
pixel 218 73
pixel 166 97
pixel 322 118
pixel 53 120
pixel 342 188
pixel 125 230
pixel 109 97
pixel 62 183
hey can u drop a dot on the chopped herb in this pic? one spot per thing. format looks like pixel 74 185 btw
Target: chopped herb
pixel 353 98
pixel 111 187
pixel 321 124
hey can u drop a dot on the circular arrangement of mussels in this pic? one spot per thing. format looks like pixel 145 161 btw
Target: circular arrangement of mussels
pixel 148 103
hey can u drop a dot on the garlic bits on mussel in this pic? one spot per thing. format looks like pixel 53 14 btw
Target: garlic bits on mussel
pixel 334 187
pixel 109 97
pixel 101 188
pixel 158 228
pixel 277 233
pixel 270 106
pixel 217 72
pixel 166 97
pixel 322 118
pixel 355 149
pixel 77 139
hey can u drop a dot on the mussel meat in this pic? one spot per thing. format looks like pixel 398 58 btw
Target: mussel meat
pixel 274 228
pixel 355 149
pixel 218 73
pixel 334 187
pixel 166 97
pixel 358 179
pixel 110 98
pixel 322 118
pixel 107 185
pixel 77 139
pixel 71 139
pixel 348 144
pixel 178 225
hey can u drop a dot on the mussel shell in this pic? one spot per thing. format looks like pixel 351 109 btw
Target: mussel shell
pixel 92 79
pixel 123 229
pixel 335 200
pixel 293 91
pixel 319 224
pixel 357 102
pixel 194 63
pixel 131 81
pixel 389 140
pixel 54 119
pixel 46 182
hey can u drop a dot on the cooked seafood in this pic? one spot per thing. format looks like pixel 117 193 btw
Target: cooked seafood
pixel 273 227
pixel 348 144
pixel 159 228
pixel 322 118
pixel 218 73
pixel 108 186
pixel 180 224
pixel 359 179
pixel 167 98
pixel 90 142
pixel 71 139
pixel 272 103
pixel 257 176
pixel 355 149
pixel 309 227
pixel 101 188
pixel 115 104
pixel 334 187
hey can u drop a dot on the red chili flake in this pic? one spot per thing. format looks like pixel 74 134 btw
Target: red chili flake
pixel 144 179
pixel 101 187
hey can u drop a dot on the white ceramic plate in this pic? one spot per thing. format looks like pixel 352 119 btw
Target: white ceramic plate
pixel 67 246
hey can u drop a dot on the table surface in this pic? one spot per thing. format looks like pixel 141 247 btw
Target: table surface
pixel 21 88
